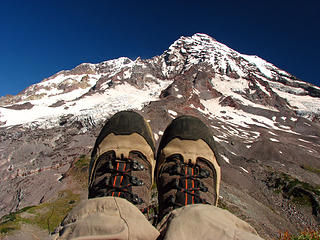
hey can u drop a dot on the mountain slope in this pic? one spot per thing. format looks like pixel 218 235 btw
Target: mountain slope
pixel 265 121
pixel 248 79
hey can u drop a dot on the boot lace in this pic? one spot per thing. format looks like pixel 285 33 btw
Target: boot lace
pixel 188 184
pixel 120 182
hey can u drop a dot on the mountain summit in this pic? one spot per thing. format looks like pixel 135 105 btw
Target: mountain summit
pixel 266 123
pixel 248 80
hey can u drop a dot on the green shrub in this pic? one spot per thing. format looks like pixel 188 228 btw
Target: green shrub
pixel 46 215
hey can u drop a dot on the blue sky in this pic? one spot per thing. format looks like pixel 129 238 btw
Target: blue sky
pixel 40 38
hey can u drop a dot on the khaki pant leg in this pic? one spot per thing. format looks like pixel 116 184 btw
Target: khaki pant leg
pixel 106 218
pixel 203 222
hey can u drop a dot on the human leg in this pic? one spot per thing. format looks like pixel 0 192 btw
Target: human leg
pixel 106 218
pixel 120 179
pixel 188 180
pixel 205 222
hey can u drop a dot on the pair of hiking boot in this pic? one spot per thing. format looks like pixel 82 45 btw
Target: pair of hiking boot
pixel 123 163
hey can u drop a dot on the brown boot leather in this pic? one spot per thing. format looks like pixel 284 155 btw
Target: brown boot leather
pixel 122 161
pixel 187 171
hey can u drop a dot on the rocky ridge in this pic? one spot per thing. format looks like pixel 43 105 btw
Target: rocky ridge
pixel 265 121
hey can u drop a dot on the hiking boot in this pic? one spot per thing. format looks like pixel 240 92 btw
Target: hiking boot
pixel 122 160
pixel 187 171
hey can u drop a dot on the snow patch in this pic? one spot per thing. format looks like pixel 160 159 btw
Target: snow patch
pixel 272 133
pixel 235 88
pixel 236 117
pixel 263 88
pixel 172 113
pixel 225 158
pixel 97 106
pixel 305 106
pixel 243 169
pixel 302 140
pixel 300 145
pixel 217 139
pixel 274 140
pixel 293 119
pixel 196 91
pixel 261 64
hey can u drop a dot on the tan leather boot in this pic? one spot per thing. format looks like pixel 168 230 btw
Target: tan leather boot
pixel 187 171
pixel 122 161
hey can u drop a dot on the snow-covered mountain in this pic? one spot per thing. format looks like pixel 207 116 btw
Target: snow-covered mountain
pixel 98 90
pixel 265 121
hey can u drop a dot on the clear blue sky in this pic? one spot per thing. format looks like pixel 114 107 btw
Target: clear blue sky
pixel 40 38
